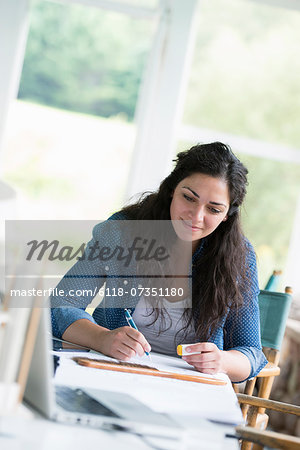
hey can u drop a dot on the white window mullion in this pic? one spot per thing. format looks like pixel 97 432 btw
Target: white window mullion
pixel 160 103
pixel 14 21
pixel 241 144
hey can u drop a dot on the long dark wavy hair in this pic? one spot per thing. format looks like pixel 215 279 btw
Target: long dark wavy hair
pixel 219 275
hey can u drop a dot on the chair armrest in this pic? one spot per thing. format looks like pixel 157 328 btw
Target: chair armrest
pixel 268 438
pixel 269 404
pixel 270 370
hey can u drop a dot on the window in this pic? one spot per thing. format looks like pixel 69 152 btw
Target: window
pixel 243 85
pixel 70 134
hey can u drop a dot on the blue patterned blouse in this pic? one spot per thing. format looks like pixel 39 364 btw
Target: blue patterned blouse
pixel 237 330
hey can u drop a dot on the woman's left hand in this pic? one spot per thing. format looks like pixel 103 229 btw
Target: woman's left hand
pixel 208 360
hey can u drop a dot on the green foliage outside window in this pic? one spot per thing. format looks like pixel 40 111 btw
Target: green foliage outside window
pixel 84 59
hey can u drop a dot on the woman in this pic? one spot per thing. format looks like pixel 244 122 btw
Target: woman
pixel 219 314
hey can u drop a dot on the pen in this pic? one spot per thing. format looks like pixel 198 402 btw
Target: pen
pixel 131 323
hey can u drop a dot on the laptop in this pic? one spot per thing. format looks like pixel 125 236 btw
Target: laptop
pixel 84 406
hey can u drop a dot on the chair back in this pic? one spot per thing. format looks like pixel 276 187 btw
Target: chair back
pixel 273 281
pixel 274 309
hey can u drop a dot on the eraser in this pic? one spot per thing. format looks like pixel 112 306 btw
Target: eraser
pixel 181 350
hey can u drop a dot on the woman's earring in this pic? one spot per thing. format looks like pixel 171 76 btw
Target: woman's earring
pixel 225 218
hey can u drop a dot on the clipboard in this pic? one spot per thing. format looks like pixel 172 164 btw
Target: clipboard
pixel 119 366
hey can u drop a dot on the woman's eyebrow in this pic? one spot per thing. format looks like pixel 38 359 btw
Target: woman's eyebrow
pixel 196 195
pixel 217 204
pixel 193 192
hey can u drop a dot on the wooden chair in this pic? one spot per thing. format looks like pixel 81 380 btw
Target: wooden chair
pixel 274 308
pixel 260 438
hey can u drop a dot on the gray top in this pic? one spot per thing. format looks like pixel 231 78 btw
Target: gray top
pixel 167 332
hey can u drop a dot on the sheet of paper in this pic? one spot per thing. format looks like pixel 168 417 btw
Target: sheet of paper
pixel 157 361
pixel 172 364
pixel 161 394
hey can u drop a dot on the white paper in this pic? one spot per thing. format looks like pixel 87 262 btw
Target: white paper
pixel 171 396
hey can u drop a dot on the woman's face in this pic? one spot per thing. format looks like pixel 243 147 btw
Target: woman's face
pixel 199 204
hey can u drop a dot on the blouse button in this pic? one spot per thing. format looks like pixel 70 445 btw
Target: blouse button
pixel 106 268
pixel 125 282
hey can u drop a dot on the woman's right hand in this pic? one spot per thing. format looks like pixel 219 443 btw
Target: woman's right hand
pixel 123 343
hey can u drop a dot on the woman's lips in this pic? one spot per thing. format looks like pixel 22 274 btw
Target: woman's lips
pixel 190 227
